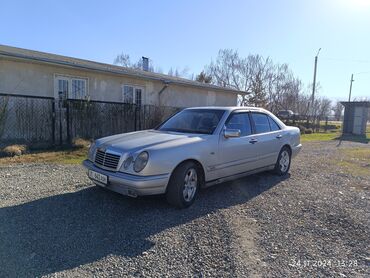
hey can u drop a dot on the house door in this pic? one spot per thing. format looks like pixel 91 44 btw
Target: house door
pixel 61 127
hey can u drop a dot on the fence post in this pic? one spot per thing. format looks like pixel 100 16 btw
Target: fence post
pixel 53 121
pixel 67 117
pixel 60 122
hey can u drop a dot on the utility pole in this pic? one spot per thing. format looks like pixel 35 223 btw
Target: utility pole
pixel 314 86
pixel 350 88
pixel 314 80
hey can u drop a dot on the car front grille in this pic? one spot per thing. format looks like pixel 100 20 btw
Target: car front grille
pixel 107 160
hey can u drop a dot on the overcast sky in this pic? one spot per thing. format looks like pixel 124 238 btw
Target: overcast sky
pixel 190 33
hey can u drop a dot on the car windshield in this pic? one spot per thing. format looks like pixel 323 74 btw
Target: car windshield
pixel 202 121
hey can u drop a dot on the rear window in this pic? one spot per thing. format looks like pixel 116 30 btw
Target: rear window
pixel 273 125
pixel 261 122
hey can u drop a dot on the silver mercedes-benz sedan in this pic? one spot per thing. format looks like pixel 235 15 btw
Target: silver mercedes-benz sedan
pixel 194 148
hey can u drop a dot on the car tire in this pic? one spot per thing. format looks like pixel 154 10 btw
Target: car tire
pixel 183 185
pixel 282 165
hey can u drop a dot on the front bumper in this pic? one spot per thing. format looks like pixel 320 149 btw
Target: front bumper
pixel 296 150
pixel 131 185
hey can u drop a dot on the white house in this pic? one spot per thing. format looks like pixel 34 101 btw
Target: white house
pixel 34 73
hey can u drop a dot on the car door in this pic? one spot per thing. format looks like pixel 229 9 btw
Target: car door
pixel 236 155
pixel 268 138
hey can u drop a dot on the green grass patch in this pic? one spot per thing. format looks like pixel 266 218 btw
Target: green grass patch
pixel 320 136
pixel 335 135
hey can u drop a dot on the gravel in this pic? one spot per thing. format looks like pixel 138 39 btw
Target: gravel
pixel 315 222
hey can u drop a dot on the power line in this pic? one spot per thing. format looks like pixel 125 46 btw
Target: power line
pixel 363 72
pixel 345 61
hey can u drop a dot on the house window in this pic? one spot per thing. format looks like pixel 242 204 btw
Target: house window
pixel 62 89
pixel 128 94
pixel 78 90
pixel 132 94
pixel 138 96
pixel 71 87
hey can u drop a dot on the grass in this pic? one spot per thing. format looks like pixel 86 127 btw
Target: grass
pixel 74 155
pixel 335 135
pixel 320 136
pixel 355 161
pixel 68 156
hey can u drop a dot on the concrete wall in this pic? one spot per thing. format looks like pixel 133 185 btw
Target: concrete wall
pixel 29 78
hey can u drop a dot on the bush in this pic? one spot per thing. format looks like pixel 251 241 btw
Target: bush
pixel 302 129
pixel 80 143
pixel 13 150
pixel 331 126
pixel 308 131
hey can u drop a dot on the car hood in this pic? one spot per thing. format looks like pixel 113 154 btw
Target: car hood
pixel 140 140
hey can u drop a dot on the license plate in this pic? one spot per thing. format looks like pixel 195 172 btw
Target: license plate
pixel 98 177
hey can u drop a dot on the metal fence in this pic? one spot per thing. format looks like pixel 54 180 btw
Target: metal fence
pixel 96 119
pixel 24 119
pixel 44 121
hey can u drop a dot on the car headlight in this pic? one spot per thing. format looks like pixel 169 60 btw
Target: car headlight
pixel 91 153
pixel 126 163
pixel 141 161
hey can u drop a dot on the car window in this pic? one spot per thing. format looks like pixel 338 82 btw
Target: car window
pixel 240 121
pixel 203 121
pixel 261 122
pixel 273 125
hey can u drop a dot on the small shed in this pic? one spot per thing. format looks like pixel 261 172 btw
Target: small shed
pixel 355 117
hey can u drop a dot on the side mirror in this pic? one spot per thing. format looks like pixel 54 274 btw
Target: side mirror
pixel 231 133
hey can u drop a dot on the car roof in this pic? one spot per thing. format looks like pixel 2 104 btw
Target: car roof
pixel 229 108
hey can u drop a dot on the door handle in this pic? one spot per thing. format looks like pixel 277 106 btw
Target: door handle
pixel 279 136
pixel 252 141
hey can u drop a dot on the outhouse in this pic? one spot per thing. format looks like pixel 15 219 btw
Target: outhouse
pixel 355 117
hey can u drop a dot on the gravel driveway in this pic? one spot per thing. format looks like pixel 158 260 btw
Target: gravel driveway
pixel 315 222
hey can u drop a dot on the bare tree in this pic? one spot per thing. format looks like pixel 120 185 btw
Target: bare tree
pixel 125 61
pixel 324 107
pixel 122 60
pixel 177 72
pixel 203 77
pixel 284 90
pixel 268 85
pixel 337 109
pixel 244 74
pixel 224 70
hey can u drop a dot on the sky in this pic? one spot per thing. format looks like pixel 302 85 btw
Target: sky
pixel 188 34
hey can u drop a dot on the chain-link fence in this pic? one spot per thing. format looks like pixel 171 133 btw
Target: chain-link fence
pixel 26 120
pixel 96 119
pixel 47 122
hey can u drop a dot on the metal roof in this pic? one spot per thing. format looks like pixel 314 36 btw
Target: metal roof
pixel 43 57
pixel 356 103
